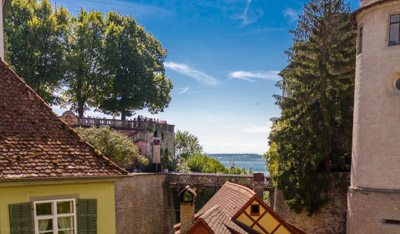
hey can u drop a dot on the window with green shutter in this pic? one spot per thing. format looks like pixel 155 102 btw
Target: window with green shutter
pixel 21 221
pixel 87 216
pixel 54 217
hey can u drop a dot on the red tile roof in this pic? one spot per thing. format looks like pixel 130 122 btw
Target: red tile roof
pixel 230 197
pixel 219 222
pixel 35 143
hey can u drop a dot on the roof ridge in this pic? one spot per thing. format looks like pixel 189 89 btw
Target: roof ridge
pixel 210 211
pixel 239 186
pixel 5 66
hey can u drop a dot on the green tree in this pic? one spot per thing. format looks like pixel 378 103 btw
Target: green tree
pixel 312 138
pixel 205 164
pixel 189 157
pixel 186 145
pixel 118 147
pixel 84 61
pixel 36 36
pixel 134 69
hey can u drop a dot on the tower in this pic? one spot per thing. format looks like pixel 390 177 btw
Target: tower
pixel 374 193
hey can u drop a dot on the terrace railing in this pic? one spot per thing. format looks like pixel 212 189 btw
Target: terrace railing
pixel 211 181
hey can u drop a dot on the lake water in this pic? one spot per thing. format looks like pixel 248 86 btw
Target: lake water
pixel 255 161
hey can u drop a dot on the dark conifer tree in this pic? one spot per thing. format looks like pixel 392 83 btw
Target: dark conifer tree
pixel 312 138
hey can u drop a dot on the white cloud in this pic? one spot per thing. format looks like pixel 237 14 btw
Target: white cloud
pixel 250 18
pixel 184 90
pixel 252 76
pixel 292 14
pixel 188 71
pixel 257 129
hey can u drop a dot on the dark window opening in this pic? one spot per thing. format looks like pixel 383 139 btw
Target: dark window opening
pixel 360 38
pixel 391 221
pixel 394 35
pixel 397 84
pixel 255 210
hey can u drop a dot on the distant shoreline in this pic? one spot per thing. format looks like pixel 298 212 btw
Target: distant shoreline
pixel 255 161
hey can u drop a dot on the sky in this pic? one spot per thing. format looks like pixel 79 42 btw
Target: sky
pixel 223 59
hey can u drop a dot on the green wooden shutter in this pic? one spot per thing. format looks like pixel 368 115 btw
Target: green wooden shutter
pixel 21 218
pixel 87 216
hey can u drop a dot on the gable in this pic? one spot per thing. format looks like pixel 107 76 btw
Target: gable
pixel 200 227
pixel 260 217
pixel 35 143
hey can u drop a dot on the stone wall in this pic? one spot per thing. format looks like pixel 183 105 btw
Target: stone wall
pixel 330 219
pixel 144 205
pixel 373 211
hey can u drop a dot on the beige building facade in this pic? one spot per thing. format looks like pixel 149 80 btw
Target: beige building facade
pixel 374 193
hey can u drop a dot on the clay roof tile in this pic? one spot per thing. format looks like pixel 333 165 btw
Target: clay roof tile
pixel 34 142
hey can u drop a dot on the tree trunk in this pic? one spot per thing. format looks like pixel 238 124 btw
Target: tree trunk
pixel 80 111
pixel 123 115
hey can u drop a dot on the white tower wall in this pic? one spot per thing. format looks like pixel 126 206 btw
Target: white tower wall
pixel 376 131
pixel 374 193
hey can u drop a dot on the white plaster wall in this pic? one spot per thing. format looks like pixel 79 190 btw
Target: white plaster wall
pixel 376 131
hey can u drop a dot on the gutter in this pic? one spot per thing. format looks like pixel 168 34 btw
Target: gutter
pixel 13 182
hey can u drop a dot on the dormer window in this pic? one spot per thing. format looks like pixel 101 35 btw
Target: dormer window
pixel 394 30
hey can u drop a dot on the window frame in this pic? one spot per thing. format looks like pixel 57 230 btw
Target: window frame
pixel 255 213
pixel 54 216
pixel 390 28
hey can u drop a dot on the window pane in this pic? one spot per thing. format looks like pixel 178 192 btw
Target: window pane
pixel 394 18
pixel 65 222
pixel 64 207
pixel 394 34
pixel 46 225
pixel 43 209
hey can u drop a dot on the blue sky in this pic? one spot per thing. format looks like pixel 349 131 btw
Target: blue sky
pixel 223 60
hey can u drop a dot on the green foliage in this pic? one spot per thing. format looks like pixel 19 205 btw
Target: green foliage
pixel 186 145
pixel 111 64
pixel 205 164
pixel 133 65
pixel 84 58
pixel 167 160
pixel 118 147
pixel 190 157
pixel 35 39
pixel 313 136
pixel 202 198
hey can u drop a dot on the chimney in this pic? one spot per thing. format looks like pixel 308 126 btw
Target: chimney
pixel 258 184
pixel 187 198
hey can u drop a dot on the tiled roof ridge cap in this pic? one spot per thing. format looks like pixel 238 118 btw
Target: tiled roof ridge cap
pixel 239 187
pixel 210 211
pixel 6 66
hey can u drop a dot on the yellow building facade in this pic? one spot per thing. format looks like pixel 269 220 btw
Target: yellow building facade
pixel 101 192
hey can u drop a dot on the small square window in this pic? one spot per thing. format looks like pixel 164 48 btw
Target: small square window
pixel 255 210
